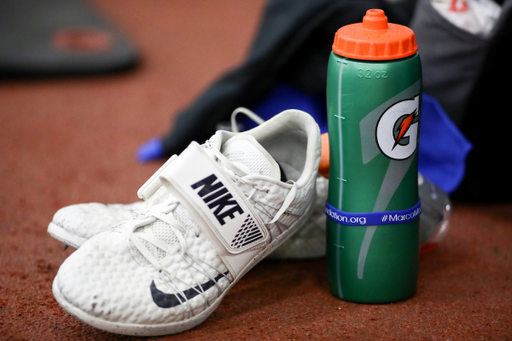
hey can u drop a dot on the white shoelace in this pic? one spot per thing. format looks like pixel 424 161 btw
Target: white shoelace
pixel 238 176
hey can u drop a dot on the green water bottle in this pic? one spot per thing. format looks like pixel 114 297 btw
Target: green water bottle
pixel 373 105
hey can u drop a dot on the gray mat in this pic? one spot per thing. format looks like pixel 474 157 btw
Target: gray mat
pixel 59 37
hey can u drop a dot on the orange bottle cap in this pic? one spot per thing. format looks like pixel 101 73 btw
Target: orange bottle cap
pixel 375 39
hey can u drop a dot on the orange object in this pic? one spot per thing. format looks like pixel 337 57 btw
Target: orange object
pixel 375 39
pixel 323 169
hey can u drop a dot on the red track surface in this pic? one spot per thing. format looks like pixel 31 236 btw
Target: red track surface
pixel 66 141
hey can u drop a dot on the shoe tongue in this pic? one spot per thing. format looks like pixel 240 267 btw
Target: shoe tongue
pixel 249 156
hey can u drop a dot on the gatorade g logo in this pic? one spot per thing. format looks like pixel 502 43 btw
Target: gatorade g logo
pixel 398 128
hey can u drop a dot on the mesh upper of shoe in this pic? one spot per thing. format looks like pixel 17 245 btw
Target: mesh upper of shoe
pixel 87 220
pixel 109 277
pixel 105 280
pixel 83 221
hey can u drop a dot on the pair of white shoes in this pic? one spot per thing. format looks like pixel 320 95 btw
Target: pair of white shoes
pixel 209 215
pixel 162 265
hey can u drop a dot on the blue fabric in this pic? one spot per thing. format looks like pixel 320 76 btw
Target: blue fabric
pixel 285 97
pixel 442 148
pixel 150 150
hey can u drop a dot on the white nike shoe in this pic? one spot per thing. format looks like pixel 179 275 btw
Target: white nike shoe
pixel 222 209
pixel 75 224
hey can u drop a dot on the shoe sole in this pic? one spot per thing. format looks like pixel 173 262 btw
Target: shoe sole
pixel 57 232
pixel 180 326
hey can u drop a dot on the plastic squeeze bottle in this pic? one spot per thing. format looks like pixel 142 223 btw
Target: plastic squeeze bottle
pixel 373 106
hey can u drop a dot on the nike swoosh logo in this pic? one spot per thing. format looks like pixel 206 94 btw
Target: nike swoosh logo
pixel 164 300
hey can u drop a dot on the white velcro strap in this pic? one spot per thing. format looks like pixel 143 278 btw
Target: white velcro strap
pixel 219 207
pixel 153 184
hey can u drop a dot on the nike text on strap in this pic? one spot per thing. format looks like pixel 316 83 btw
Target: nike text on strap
pixel 372 218
pixel 217 205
